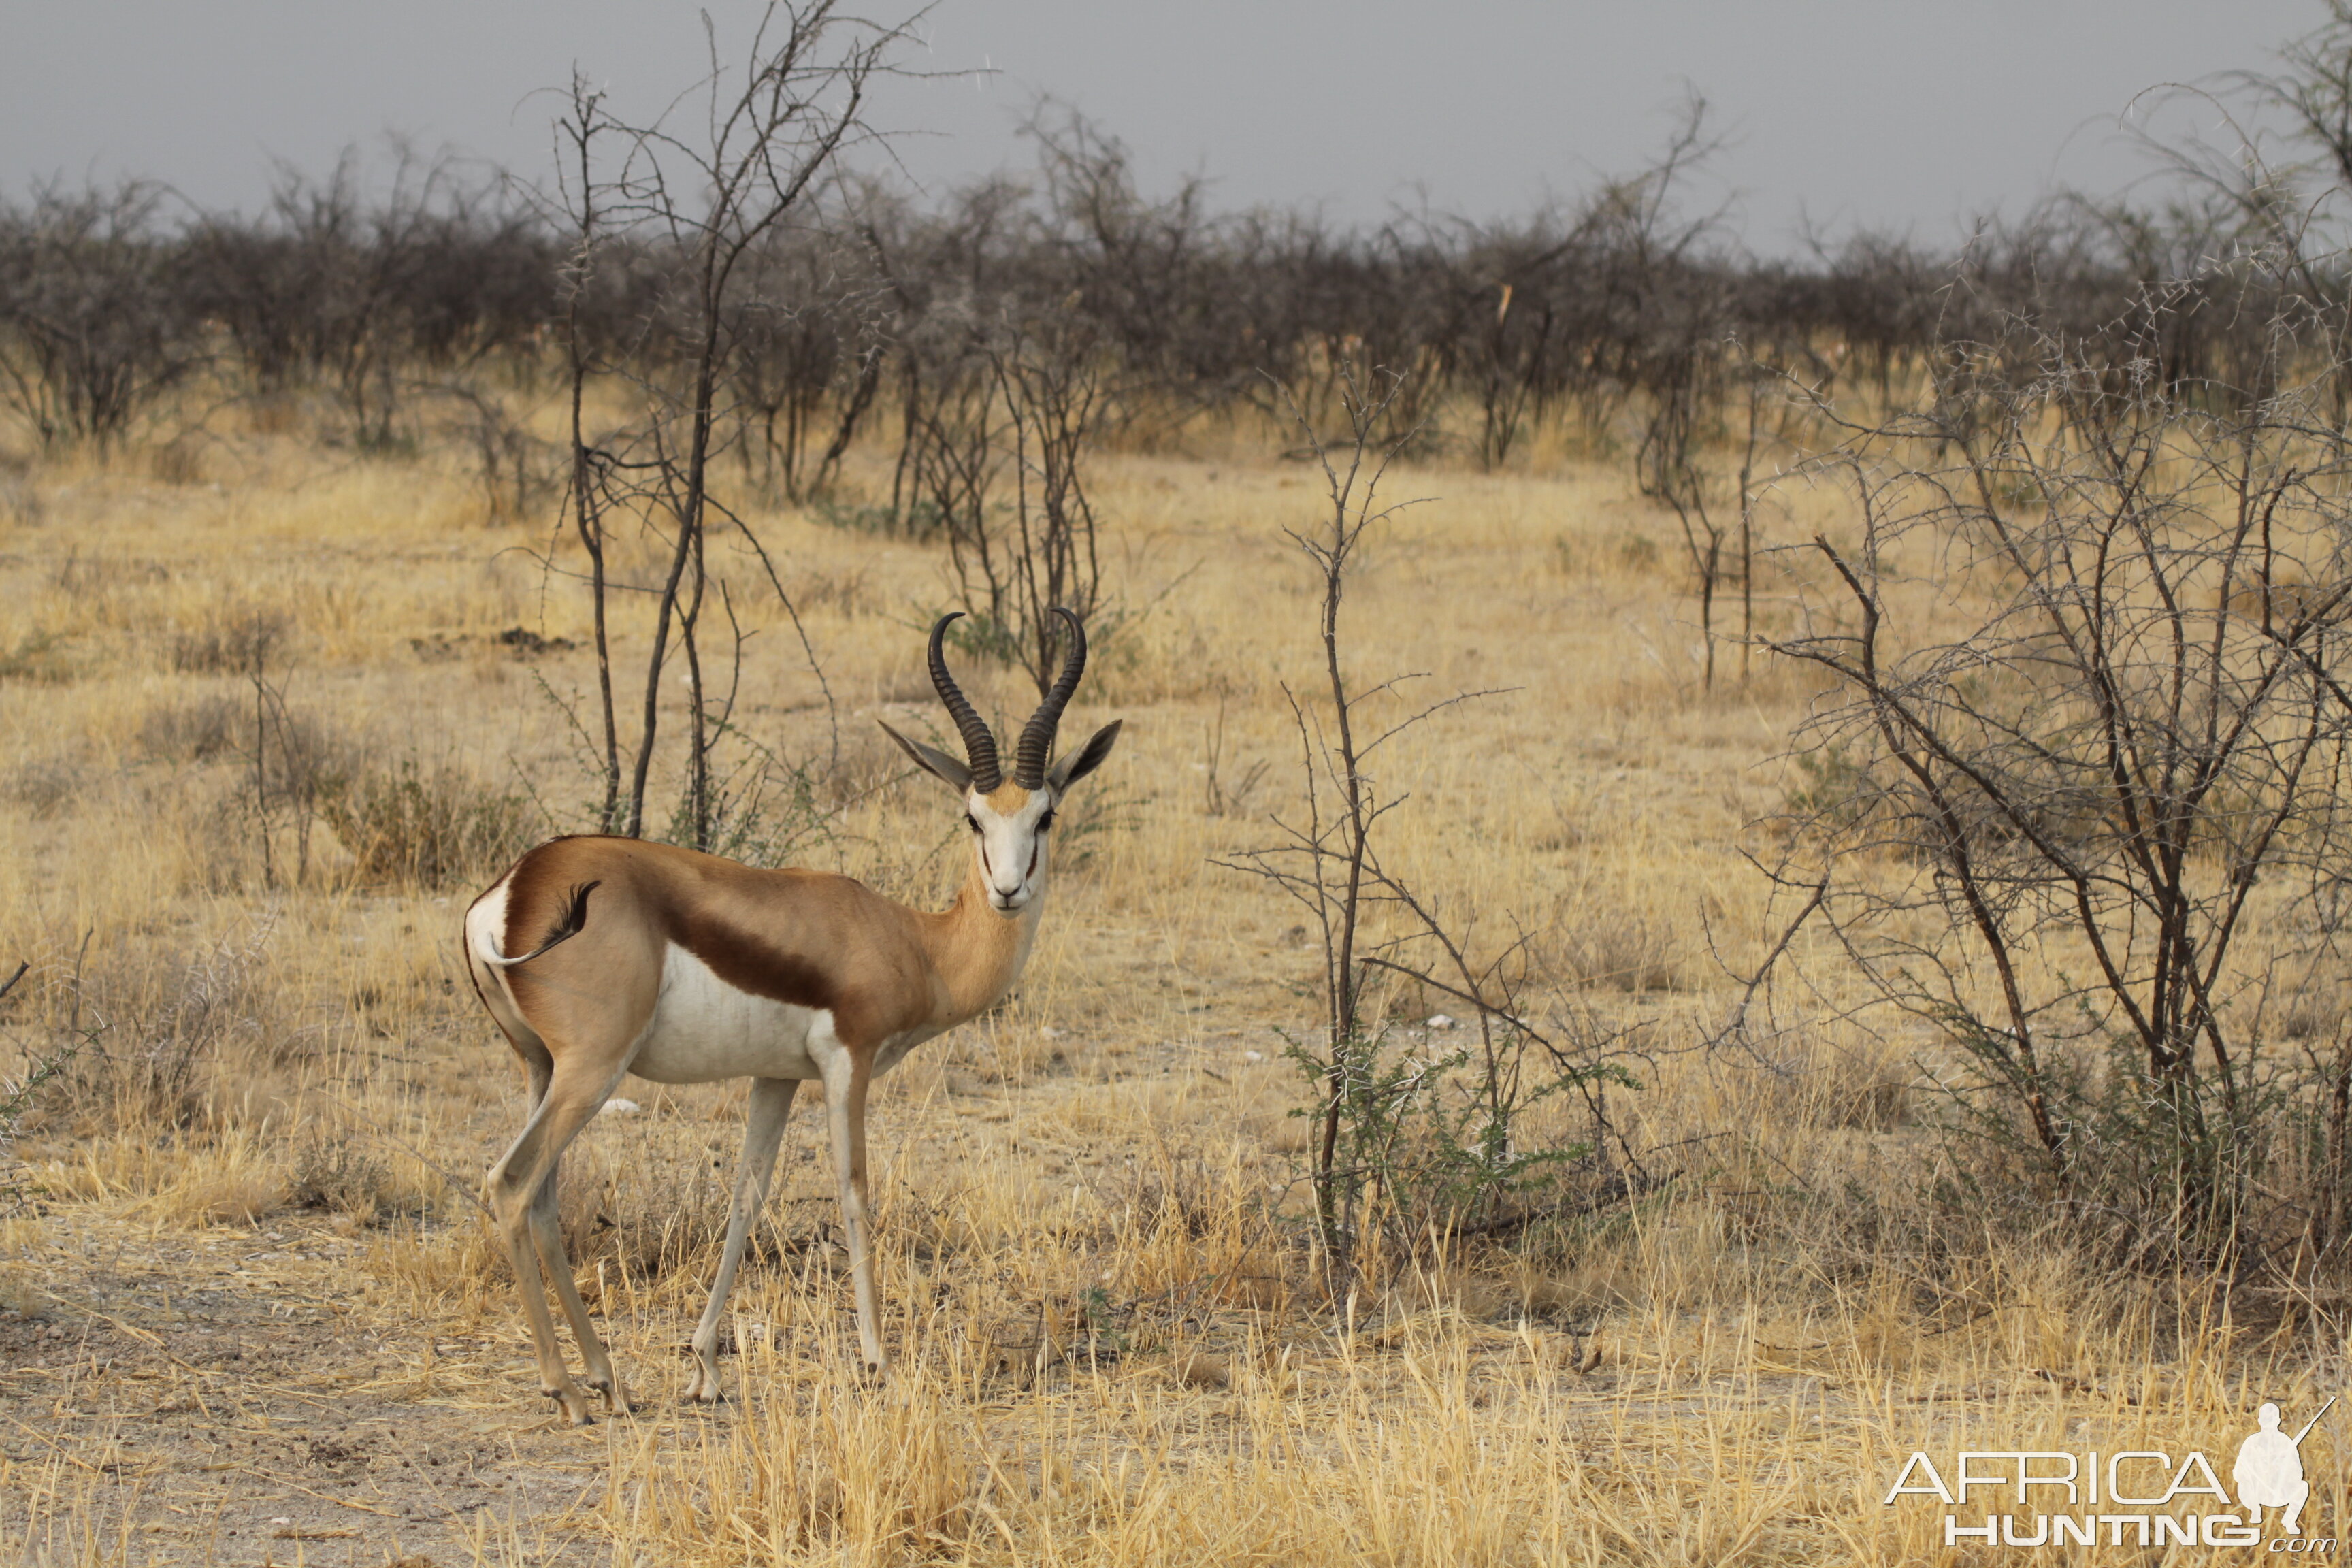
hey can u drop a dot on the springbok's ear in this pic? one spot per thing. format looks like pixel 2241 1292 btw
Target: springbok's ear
pixel 1087 758
pixel 933 761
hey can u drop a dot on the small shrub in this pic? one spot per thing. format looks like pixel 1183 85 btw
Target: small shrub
pixel 148 1033
pixel 847 593
pixel 920 520
pixel 237 643
pixel 426 828
pixel 1833 790
pixel 20 502
pixel 17 1093
pixel 195 732
pixel 524 642
pixel 47 786
pixel 179 461
pixel 1634 953
pixel 761 812
pixel 1440 1141
pixel 303 759
pixel 337 1175
pixel 39 658
pixel 982 636
pixel 1858 1093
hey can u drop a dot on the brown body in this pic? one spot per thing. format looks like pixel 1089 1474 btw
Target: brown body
pixel 603 956
pixel 807 938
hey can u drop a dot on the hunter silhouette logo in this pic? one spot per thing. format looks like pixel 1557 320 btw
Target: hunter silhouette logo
pixel 2269 1471
pixel 2139 1497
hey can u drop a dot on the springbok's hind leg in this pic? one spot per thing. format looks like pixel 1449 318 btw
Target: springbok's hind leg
pixel 763 1130
pixel 575 1093
pixel 547 1235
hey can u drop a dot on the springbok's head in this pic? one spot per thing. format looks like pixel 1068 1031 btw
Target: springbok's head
pixel 1011 820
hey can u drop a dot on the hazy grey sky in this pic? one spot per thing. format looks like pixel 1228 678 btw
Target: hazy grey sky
pixel 1904 114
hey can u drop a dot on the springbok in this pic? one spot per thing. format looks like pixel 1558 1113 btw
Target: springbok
pixel 686 968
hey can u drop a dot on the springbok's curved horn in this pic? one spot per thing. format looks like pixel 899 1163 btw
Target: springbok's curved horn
pixel 978 745
pixel 1037 736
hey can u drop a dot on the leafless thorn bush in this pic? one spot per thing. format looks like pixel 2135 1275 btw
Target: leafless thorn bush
pixel 705 208
pixel 1415 1144
pixel 2087 648
pixel 138 1041
pixel 91 331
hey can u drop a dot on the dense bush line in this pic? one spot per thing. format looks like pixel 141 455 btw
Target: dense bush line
pixel 1617 315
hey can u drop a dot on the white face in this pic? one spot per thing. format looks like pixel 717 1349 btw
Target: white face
pixel 1012 845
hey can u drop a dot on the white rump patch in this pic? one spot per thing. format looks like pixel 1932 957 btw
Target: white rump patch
pixel 485 923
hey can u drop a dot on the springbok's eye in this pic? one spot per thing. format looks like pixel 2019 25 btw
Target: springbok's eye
pixel 973 820
pixel 1045 821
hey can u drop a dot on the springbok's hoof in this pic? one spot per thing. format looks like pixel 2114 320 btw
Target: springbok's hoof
pixel 573 1404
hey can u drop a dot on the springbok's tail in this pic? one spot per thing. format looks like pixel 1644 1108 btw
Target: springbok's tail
pixel 575 919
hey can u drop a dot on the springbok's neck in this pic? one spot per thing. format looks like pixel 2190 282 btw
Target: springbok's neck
pixel 977 952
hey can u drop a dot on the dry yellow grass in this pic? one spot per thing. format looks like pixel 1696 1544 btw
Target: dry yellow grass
pixel 254 1315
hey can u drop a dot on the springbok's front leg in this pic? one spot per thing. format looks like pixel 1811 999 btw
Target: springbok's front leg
pixel 764 1128
pixel 847 1075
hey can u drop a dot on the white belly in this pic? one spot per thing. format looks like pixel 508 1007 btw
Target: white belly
pixel 704 1030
